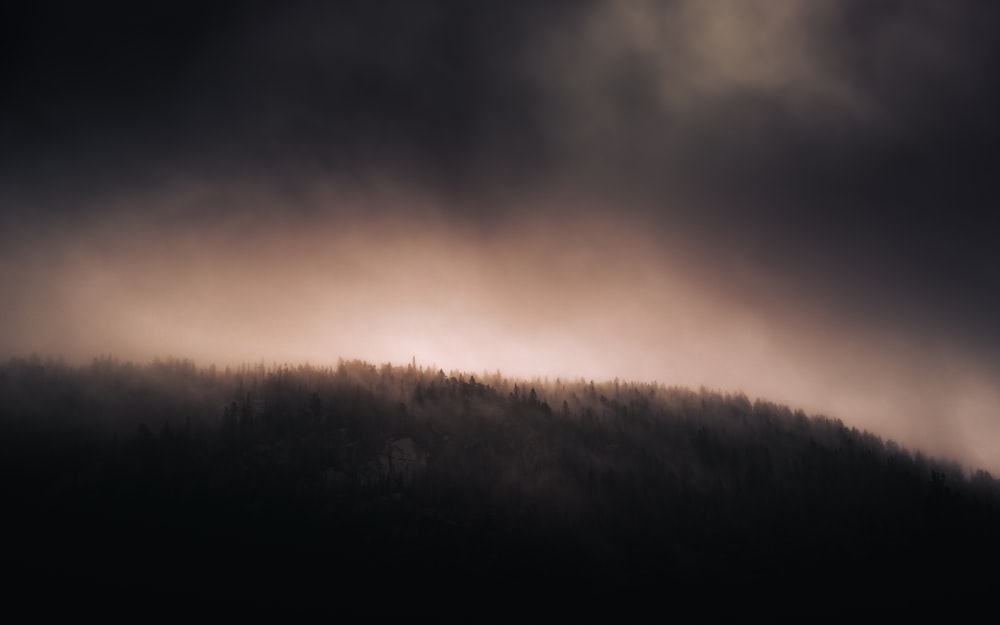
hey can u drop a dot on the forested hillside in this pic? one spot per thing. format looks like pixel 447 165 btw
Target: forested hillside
pixel 362 488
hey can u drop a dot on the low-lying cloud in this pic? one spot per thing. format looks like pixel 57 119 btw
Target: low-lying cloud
pixel 545 292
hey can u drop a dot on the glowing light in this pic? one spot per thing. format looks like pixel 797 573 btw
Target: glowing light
pixel 573 298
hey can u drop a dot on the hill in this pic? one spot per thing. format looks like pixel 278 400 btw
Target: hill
pixel 365 489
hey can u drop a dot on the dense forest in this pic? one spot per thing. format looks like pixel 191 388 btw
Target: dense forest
pixel 359 488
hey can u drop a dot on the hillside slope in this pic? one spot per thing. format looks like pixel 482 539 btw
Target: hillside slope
pixel 358 489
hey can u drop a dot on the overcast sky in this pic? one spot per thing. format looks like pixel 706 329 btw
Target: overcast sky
pixel 792 198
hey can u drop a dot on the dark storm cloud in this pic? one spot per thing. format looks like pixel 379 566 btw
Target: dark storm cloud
pixel 226 88
pixel 843 148
pixel 742 97
pixel 855 142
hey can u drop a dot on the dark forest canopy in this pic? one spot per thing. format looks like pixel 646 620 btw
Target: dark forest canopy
pixel 121 396
pixel 541 489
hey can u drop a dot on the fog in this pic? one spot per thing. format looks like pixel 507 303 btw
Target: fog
pixel 572 291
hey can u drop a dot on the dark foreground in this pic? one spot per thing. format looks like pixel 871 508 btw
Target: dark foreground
pixel 167 490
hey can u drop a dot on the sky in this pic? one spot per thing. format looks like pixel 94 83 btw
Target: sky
pixel 787 198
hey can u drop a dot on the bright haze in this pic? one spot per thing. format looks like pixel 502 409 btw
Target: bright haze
pixel 786 198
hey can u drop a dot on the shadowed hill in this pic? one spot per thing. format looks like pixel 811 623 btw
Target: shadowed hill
pixel 362 488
